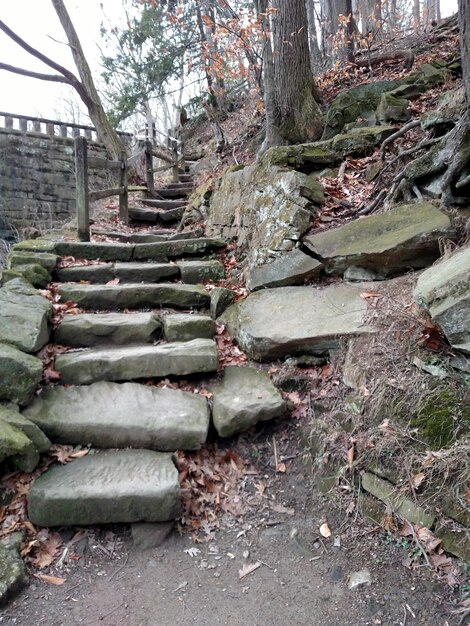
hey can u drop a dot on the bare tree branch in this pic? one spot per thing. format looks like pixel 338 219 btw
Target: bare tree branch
pixel 50 77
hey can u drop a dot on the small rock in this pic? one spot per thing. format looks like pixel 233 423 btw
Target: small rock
pixel 12 572
pixel 360 274
pixel 356 579
pixel 220 299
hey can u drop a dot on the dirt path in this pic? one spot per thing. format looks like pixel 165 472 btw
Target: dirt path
pixel 302 578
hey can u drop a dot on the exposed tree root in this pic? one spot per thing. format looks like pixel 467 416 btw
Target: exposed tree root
pixel 449 157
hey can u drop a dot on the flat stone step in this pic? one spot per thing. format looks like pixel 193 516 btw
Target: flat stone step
pixel 188 186
pixel 137 214
pixel 177 248
pixel 134 296
pixel 117 329
pixel 134 362
pixel 164 204
pixel 158 250
pixel 120 486
pixel 194 272
pixel 111 415
pixel 161 234
pixel 174 192
pixel 125 272
pixel 185 178
pixel 185 327
pixel 171 215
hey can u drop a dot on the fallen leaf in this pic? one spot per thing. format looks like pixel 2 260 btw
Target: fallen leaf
pixel 417 479
pixel 247 569
pixel 53 580
pixel 369 294
pixel 192 551
pixel 281 468
pixel 350 456
pixel 325 530
pixel 114 281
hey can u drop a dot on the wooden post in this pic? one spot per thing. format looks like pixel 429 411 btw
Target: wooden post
pixel 124 194
pixel 81 183
pixel 50 129
pixel 176 167
pixel 23 124
pixel 63 130
pixel 36 126
pixel 149 166
pixel 8 121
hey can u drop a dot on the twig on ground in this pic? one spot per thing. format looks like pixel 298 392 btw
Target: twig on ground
pixel 421 549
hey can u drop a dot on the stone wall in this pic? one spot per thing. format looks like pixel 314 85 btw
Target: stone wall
pixel 37 178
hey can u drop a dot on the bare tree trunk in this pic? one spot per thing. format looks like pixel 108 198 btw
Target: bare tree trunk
pixel 300 118
pixel 272 135
pixel 106 133
pixel 416 15
pixel 315 54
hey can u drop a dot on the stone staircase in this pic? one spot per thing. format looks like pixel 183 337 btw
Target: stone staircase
pixel 144 315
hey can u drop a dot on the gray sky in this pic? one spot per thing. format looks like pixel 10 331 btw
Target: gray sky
pixel 36 22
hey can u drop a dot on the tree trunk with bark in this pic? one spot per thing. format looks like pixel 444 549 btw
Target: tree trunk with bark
pixel 449 158
pixel 299 116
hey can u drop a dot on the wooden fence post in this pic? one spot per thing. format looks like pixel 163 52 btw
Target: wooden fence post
pixel 176 167
pixel 81 183
pixel 149 166
pixel 124 194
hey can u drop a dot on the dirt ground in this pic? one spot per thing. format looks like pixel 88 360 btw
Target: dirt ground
pixel 301 577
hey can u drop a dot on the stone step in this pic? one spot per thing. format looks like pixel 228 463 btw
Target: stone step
pixel 121 486
pixel 118 329
pixel 117 251
pixel 134 296
pixel 185 327
pixel 150 216
pixel 112 415
pixel 191 272
pixel 164 204
pixel 135 362
pixel 160 234
pixel 185 178
pixel 174 192
pixel 188 186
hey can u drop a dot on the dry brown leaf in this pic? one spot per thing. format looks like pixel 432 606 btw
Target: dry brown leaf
pixel 417 479
pixel 350 456
pixel 325 530
pixel 247 569
pixel 369 294
pixel 53 580
pixel 281 468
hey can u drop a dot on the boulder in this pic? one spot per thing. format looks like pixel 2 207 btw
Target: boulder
pixel 34 274
pixel 392 109
pixel 444 290
pixel 46 260
pixel 134 362
pixel 13 575
pixel 354 103
pixel 405 237
pixel 448 111
pixel 116 329
pixel 110 415
pixel 181 327
pixel 14 443
pixel 274 323
pixel 24 316
pixel 293 268
pixel 361 141
pixel 121 486
pixel 245 397
pixel 264 207
pixel 21 373
pixel 29 428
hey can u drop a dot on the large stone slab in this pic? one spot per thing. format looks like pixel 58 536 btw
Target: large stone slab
pixel 109 415
pixel 134 362
pixel 99 273
pixel 274 323
pixel 444 289
pixel 135 295
pixel 29 428
pixel 181 327
pixel 293 268
pixel 116 329
pixel 145 272
pixel 47 261
pixel 194 272
pixel 245 397
pixel 21 373
pixel 405 237
pixel 24 316
pixel 121 486
pixel 94 250
pixel 176 248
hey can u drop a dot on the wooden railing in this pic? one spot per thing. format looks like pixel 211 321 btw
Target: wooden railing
pixel 44 126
